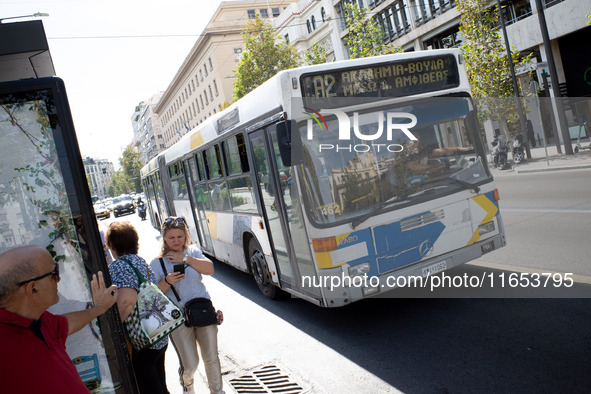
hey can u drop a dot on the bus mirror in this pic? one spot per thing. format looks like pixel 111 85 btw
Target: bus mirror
pixel 284 141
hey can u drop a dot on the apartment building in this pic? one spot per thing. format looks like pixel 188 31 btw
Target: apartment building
pixel 148 138
pixel 204 82
pixel 307 22
pixel 99 171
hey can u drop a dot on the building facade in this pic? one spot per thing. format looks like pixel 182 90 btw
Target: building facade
pixel 99 173
pixel 307 22
pixel 204 83
pixel 147 132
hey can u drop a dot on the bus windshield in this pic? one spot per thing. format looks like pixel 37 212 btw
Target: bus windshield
pixel 351 180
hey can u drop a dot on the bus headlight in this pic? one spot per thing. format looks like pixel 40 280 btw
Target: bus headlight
pixel 370 290
pixel 359 269
pixel 486 228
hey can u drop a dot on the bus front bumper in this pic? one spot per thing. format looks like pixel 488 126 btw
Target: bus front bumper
pixel 340 289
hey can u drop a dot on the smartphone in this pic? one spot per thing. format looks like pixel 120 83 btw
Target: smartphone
pixel 179 268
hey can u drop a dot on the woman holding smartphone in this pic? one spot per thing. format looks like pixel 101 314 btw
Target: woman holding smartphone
pixel 178 271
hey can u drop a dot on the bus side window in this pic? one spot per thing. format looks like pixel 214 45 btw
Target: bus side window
pixel 235 155
pixel 243 154
pixel 200 168
pixel 212 158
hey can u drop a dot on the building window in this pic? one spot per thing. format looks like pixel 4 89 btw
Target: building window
pixel 237 53
pixel 308 26
pixel 515 10
pixel 275 12
pixel 286 38
pixel 251 14
pixel 323 14
pixel 264 13
pixel 205 69
pixel 215 87
pixel 210 63
pixel 313 22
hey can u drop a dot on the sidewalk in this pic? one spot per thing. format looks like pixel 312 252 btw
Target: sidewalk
pixel 550 161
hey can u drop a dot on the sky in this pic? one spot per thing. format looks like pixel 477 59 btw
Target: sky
pixel 113 54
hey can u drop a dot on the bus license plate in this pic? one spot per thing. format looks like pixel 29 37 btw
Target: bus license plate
pixel 435 268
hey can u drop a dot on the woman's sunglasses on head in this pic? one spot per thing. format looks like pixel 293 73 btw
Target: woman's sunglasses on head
pixel 174 222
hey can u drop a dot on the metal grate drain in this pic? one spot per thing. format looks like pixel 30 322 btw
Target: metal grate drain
pixel 268 379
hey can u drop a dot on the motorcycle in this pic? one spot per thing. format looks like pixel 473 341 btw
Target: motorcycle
pixel 141 211
pixel 518 149
pixel 499 153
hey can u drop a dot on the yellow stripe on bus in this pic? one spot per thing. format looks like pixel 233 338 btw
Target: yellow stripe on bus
pixel 196 139
pixel 491 210
pixel 212 224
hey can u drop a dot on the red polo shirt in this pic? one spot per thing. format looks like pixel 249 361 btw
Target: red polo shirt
pixel 30 364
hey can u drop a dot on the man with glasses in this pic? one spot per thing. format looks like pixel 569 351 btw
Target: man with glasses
pixel 33 341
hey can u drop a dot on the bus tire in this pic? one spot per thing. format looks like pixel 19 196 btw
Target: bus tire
pixel 258 266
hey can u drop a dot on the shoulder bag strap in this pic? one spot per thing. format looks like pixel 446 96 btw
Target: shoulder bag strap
pixel 140 277
pixel 171 286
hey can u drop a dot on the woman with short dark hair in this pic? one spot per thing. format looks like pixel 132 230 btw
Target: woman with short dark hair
pixel 148 364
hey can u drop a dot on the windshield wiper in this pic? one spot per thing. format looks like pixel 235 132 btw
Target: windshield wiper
pixel 464 183
pixel 378 208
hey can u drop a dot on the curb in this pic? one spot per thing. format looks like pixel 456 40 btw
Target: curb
pixel 547 169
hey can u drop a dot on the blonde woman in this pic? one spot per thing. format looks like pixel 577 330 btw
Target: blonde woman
pixel 190 264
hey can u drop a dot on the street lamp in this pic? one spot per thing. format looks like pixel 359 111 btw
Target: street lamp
pixel 35 15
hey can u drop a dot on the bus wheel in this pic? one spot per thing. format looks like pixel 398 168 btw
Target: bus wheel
pixel 260 271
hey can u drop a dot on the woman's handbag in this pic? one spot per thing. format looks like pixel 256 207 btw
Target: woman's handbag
pixel 154 315
pixel 198 311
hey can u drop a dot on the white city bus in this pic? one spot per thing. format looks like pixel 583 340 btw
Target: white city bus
pixel 338 181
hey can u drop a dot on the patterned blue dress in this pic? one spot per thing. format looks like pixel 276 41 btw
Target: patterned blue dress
pixel 123 276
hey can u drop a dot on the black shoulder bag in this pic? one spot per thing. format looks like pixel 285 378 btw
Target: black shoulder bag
pixel 199 312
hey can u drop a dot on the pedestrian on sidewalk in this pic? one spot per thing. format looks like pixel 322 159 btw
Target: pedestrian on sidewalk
pixel 178 271
pixel 33 340
pixel 148 364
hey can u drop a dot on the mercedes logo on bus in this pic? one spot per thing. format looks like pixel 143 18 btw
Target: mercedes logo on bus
pixel 425 248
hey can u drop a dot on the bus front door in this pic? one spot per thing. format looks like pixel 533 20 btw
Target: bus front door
pixel 272 181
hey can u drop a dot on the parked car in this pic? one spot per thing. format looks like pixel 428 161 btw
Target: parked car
pixel 101 211
pixel 123 204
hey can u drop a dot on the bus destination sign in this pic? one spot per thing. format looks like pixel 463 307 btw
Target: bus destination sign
pixel 394 79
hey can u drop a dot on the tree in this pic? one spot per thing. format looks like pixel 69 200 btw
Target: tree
pixel 487 63
pixel 365 37
pixel 119 184
pixel 264 55
pixel 317 54
pixel 92 192
pixel 130 166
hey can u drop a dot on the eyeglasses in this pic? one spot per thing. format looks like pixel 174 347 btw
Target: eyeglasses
pixel 55 273
pixel 174 222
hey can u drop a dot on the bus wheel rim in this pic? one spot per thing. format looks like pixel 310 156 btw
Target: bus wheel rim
pixel 259 268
